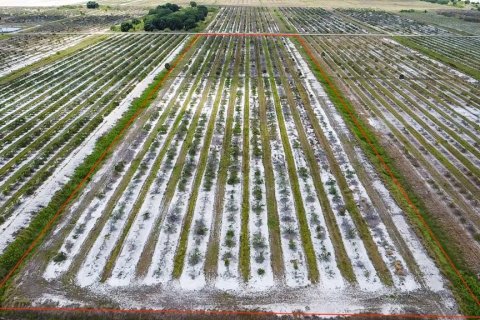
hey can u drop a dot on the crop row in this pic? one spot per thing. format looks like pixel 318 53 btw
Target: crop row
pixel 38 135
pixel 430 113
pixel 213 192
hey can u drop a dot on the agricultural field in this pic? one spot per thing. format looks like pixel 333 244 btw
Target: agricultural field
pixel 46 32
pixel 439 43
pixel 285 159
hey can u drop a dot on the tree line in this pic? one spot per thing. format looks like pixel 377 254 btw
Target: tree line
pixel 174 17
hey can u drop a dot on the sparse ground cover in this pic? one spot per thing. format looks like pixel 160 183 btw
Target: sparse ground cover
pixel 448 22
pixel 242 185
pixel 37 38
pixel 436 42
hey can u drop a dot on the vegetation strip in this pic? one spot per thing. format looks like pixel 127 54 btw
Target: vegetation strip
pixel 278 266
pixel 360 131
pixel 313 273
pixel 20 249
pixel 343 261
pixel 182 246
pixel 244 255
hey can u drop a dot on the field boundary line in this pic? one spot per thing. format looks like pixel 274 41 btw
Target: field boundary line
pixel 236 312
pixel 385 165
pixel 49 224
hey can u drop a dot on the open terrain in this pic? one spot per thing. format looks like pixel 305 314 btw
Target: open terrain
pixel 287 158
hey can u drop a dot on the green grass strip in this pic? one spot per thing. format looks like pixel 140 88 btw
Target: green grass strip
pixel 244 264
pixel 305 236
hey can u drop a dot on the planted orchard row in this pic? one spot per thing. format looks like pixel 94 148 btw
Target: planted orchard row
pixel 317 20
pixel 439 157
pixel 69 133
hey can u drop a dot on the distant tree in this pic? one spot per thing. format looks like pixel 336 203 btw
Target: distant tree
pixel 148 23
pixel 168 66
pixel 203 10
pixel 126 26
pixel 92 5
pixel 193 4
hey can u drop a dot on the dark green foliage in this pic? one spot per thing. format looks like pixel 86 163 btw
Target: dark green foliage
pixel 173 17
pixel 92 5
pixel 61 256
pixel 126 26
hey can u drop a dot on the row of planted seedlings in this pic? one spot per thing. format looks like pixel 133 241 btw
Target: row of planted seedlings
pixel 134 183
pixel 318 20
pixel 44 78
pixel 69 132
pixel 70 114
pixel 226 234
pixel 459 49
pixel 167 254
pixel 442 154
pixel 384 251
pixel 191 256
pixel 20 50
pixel 294 241
pixel 257 267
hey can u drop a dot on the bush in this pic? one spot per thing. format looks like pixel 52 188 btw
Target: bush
pixel 61 256
pixel 92 5
pixel 126 26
